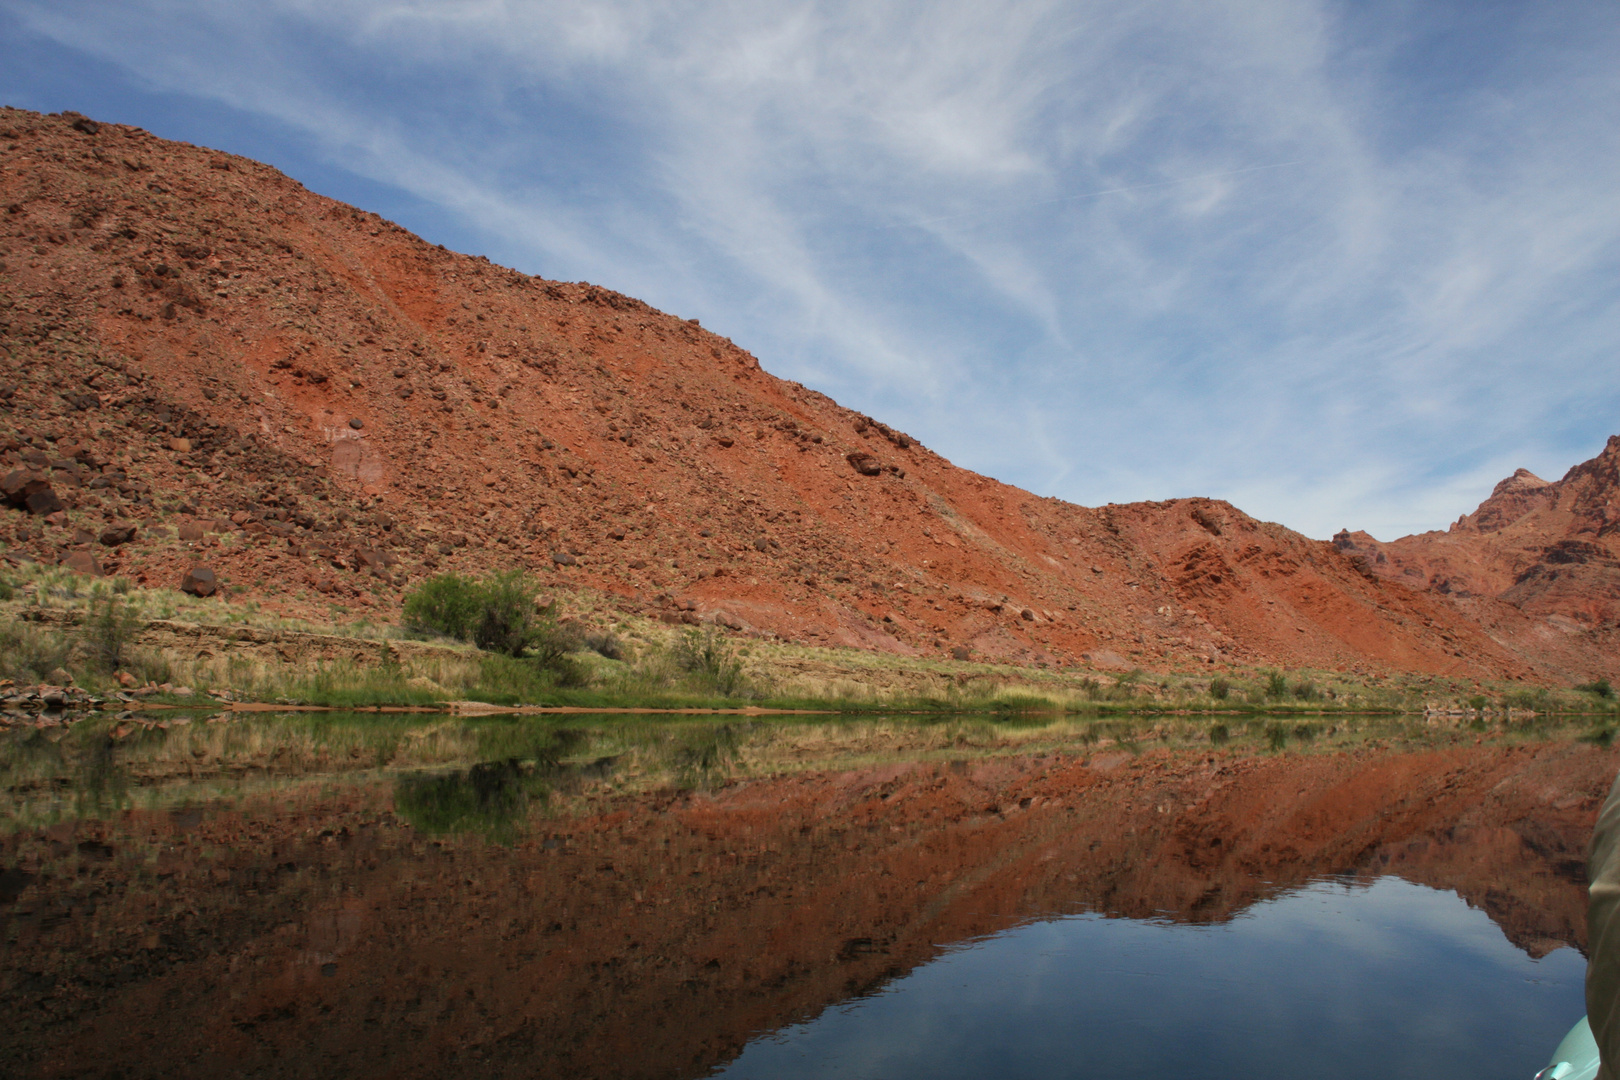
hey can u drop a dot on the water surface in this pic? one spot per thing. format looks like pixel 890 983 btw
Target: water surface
pixel 1334 979
pixel 883 897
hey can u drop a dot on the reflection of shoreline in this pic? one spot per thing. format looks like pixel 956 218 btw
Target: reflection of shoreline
pixel 182 758
pixel 632 933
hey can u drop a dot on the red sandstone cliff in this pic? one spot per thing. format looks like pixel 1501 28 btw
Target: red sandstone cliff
pixel 192 343
pixel 1549 549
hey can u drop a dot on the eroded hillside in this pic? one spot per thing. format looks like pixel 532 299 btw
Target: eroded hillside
pixel 323 408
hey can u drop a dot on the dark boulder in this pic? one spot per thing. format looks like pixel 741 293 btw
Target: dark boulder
pixel 82 562
pixel 27 490
pixel 864 463
pixel 114 535
pixel 199 581
pixel 44 503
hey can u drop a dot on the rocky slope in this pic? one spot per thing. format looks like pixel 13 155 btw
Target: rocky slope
pixel 202 361
pixel 1550 549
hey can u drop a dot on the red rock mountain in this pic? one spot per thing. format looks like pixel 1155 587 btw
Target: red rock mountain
pixel 1549 549
pixel 324 407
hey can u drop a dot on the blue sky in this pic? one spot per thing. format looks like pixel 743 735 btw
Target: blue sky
pixel 1344 264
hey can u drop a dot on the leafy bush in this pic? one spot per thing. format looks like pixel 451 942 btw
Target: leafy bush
pixel 7 590
pixel 1219 689
pixel 706 656
pixel 605 644
pixel 1527 699
pixel 508 681
pixel 508 621
pixel 29 655
pixel 1600 687
pixel 448 604
pixel 1276 685
pixel 1306 691
pixel 108 633
pixel 497 613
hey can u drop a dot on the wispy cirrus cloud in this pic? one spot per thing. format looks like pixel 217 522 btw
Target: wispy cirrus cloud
pixel 1344 264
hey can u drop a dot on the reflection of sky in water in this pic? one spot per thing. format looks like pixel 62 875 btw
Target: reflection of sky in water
pixel 1391 980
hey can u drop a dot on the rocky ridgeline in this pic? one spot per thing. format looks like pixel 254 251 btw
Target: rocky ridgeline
pixel 203 364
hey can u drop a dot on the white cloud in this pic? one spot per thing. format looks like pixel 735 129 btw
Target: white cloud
pixel 1352 262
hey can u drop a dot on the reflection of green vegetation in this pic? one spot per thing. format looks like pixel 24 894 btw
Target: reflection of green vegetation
pixel 492 798
pixel 74 773
pixel 702 754
pixel 102 765
pixel 528 739
pixel 1602 736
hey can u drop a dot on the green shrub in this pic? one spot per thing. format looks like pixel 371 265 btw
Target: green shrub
pixel 1276 685
pixel 108 633
pixel 1219 689
pixel 448 604
pixel 708 658
pixel 1306 691
pixel 7 590
pixel 1600 687
pixel 1527 699
pixel 29 655
pixel 508 621
pixel 498 613
pixel 605 644
pixel 508 681
pixel 1479 702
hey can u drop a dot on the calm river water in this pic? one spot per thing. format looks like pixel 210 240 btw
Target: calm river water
pixel 370 895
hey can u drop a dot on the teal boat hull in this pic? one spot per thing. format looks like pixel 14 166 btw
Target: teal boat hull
pixel 1576 1057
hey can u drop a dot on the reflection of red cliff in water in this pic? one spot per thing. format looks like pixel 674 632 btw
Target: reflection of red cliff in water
pixel 650 937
